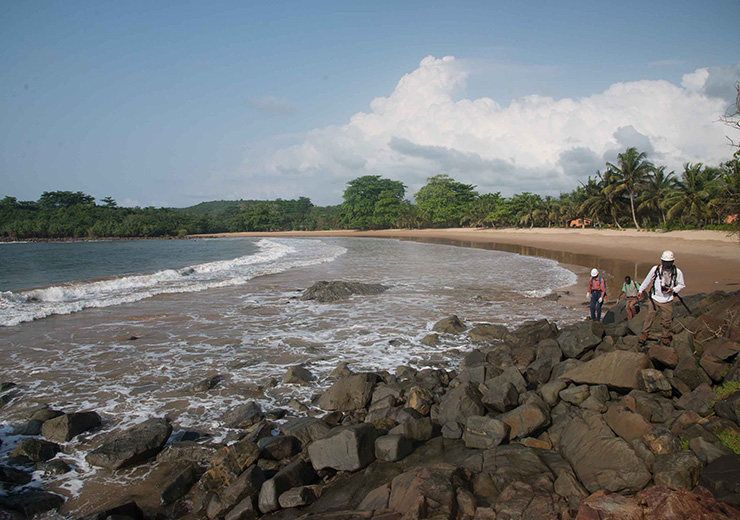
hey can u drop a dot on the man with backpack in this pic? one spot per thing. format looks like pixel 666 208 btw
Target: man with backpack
pixel 597 293
pixel 630 290
pixel 662 283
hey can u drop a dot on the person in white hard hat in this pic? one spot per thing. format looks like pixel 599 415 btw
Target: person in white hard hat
pixel 597 293
pixel 662 283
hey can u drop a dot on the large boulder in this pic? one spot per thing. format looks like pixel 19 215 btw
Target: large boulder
pixel 451 325
pixel 347 448
pixel 243 416
pixel 577 339
pixel 459 403
pixel 335 291
pixel 618 369
pixel 600 459
pixel 131 446
pixel 65 427
pixel 349 394
pixel 487 332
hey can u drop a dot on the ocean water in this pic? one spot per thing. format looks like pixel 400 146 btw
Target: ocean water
pixel 127 328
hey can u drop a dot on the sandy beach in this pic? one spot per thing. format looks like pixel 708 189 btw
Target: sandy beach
pixel 710 260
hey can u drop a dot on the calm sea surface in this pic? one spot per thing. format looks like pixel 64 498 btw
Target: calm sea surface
pixel 127 328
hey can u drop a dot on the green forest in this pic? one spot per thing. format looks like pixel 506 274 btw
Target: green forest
pixel 631 192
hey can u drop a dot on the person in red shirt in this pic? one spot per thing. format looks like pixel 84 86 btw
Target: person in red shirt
pixel 597 293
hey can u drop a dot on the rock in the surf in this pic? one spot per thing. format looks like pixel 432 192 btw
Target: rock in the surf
pixel 128 447
pixel 335 291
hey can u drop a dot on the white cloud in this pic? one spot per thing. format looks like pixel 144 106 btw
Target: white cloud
pixel 536 143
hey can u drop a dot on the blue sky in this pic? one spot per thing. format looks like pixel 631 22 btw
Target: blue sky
pixel 173 103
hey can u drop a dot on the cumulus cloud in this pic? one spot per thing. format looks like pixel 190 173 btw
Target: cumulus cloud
pixel 273 104
pixel 426 126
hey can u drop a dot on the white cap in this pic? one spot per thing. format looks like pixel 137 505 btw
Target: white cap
pixel 594 272
pixel 667 256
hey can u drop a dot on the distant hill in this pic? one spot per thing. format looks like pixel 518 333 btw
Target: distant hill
pixel 217 207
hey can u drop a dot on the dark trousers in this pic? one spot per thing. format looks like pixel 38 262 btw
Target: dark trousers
pixel 595 305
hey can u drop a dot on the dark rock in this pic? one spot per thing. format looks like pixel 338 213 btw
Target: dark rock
pixel 13 476
pixel 539 371
pixel 179 484
pixel 707 451
pixel 35 450
pixel 347 448
pixel 722 478
pixel 617 369
pixel 452 430
pixel 246 485
pixel 729 408
pixel 299 496
pixel 652 407
pixel 65 427
pixel 187 452
pixel 45 414
pixel 575 394
pixel 651 380
pixel 680 469
pixel 530 333
pixel 306 429
pixel 228 463
pixel 341 371
pixel 550 392
pixel 451 325
pixel 525 419
pixel 700 400
pixel 484 432
pixel 124 510
pixel 298 375
pixel 205 385
pixel 626 423
pixel 663 355
pixel 601 460
pixel 393 447
pixel 297 473
pixel 32 502
pixel 279 447
pixel 348 394
pixel 689 371
pixel 430 340
pixel 32 427
pixel 501 398
pixel 245 510
pixel 662 441
pixel 419 429
pixel 432 489
pixel 577 339
pixel 335 291
pixel 243 416
pixel 487 332
pixel 131 446
pixel 377 499
pixel 459 403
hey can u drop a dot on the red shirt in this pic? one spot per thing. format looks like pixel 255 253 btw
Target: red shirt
pixel 597 284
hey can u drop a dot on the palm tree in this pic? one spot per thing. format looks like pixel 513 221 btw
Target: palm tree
pixel 529 206
pixel 656 191
pixel 603 202
pixel 690 199
pixel 631 172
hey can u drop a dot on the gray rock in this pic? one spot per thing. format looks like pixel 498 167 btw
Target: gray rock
pixel 729 408
pixel 419 429
pixel 722 478
pixel 430 340
pixel 500 398
pixel 279 447
pixel 530 333
pixel 298 375
pixel 65 427
pixel 347 448
pixel 550 392
pixel 393 447
pixel 680 469
pixel 591 403
pixel 487 332
pixel 245 510
pixel 131 446
pixel 246 486
pixel 706 451
pixel 618 369
pixel 600 459
pixel 452 430
pixel 700 400
pixel 451 325
pixel 297 473
pixel 653 381
pixel 35 450
pixel 577 339
pixel 483 432
pixel 575 394
pixel 179 483
pixel 335 291
pixel 600 392
pixel 306 429
pixel 525 419
pixel 459 403
pixel 689 371
pixel 243 416
pixel 299 496
pixel 349 394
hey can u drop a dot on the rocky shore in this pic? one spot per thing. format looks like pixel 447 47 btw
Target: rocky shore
pixel 538 423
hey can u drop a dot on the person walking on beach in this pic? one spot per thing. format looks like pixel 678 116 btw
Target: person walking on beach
pixel 597 293
pixel 662 283
pixel 630 289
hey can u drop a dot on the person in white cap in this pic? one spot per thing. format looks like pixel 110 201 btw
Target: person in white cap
pixel 597 293
pixel 662 283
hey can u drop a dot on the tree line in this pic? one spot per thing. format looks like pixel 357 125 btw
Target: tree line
pixel 631 192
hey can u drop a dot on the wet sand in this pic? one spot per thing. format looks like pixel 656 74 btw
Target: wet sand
pixel 710 260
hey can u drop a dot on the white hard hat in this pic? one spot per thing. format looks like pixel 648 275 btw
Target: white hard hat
pixel 594 272
pixel 667 256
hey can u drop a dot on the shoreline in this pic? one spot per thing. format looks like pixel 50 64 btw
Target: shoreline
pixel 710 260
